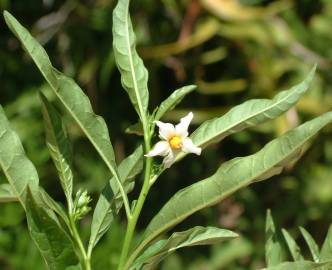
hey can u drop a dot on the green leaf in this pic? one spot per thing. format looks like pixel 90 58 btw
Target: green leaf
pixel 18 169
pixel 59 147
pixel 109 202
pixel 232 176
pixel 311 244
pixel 70 95
pixel 174 99
pixel 134 76
pixel 53 243
pixel 192 237
pixel 326 251
pixel 292 246
pixel 248 114
pixel 302 265
pixel 136 129
pixel 7 194
pixel 273 247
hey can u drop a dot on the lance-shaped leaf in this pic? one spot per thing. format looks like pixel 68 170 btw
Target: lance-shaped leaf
pixel 52 241
pixel 326 252
pixel 18 169
pixel 292 246
pixel 109 202
pixel 70 95
pixel 248 114
pixel 273 248
pixel 196 236
pixel 174 99
pixel 59 147
pixel 7 194
pixel 232 176
pixel 303 265
pixel 313 247
pixel 134 76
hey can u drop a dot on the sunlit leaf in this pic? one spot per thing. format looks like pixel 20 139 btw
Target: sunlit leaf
pixel 7 194
pixel 59 147
pixel 174 99
pixel 69 94
pixel 303 265
pixel 192 237
pixel 134 76
pixel 232 176
pixel 273 248
pixel 292 246
pixel 248 114
pixel 314 249
pixel 109 202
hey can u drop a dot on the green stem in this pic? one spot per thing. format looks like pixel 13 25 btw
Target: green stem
pixel 139 205
pixel 85 260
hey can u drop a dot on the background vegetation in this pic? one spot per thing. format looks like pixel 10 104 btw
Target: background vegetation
pixel 234 51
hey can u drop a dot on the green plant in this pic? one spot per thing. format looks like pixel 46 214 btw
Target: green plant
pixel 54 229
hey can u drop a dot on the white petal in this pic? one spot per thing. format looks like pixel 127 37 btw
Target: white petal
pixel 189 147
pixel 160 149
pixel 166 130
pixel 169 159
pixel 182 128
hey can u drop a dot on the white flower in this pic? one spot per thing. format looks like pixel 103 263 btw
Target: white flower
pixel 173 140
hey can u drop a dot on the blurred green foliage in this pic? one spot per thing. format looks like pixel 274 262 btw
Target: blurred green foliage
pixel 234 51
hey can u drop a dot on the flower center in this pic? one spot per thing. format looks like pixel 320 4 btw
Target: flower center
pixel 175 142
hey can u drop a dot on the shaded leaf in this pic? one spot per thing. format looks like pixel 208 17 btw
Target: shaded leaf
pixel 174 99
pixel 192 237
pixel 232 176
pixel 326 251
pixel 59 147
pixel 54 244
pixel 134 76
pixel 136 129
pixel 314 249
pixel 273 247
pixel 109 202
pixel 7 194
pixel 18 169
pixel 292 246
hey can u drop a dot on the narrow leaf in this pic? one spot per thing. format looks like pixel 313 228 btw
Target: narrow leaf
pixel 248 114
pixel 54 244
pixel 302 265
pixel 69 93
pixel 109 202
pixel 134 76
pixel 59 147
pixel 273 247
pixel 292 246
pixel 7 194
pixel 326 252
pixel 18 169
pixel 232 176
pixel 311 244
pixel 192 237
pixel 174 99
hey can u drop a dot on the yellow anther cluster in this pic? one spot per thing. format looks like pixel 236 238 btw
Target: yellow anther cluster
pixel 175 142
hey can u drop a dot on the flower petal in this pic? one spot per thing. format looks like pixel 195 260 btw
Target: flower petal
pixel 189 147
pixel 182 128
pixel 169 159
pixel 166 130
pixel 160 149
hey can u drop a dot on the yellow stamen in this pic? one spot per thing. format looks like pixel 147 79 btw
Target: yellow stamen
pixel 175 142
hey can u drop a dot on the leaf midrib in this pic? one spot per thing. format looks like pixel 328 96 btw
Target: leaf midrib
pixel 193 210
